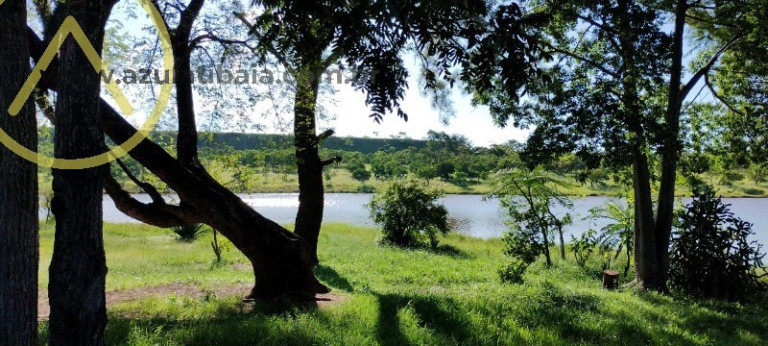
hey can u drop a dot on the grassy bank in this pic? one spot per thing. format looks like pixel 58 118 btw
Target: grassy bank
pixel 341 181
pixel 395 297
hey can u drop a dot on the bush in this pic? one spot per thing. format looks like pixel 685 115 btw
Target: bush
pixel 583 247
pixel 513 272
pixel 754 192
pixel 728 178
pixel 365 188
pixel 189 233
pixel 758 172
pixel 407 212
pixel 711 256
pixel 524 246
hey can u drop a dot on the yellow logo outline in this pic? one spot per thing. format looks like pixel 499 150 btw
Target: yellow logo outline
pixel 70 26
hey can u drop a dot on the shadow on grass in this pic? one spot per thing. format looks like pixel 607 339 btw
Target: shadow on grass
pixel 432 313
pixel 441 249
pixel 546 313
pixel 332 278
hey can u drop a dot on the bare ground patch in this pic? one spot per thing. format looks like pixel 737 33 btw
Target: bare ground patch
pixel 191 291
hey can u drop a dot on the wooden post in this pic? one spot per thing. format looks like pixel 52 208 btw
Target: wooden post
pixel 610 279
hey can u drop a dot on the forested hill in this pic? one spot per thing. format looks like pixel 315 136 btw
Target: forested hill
pixel 240 141
pixel 249 141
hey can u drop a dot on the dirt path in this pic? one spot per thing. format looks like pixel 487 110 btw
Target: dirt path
pixel 137 294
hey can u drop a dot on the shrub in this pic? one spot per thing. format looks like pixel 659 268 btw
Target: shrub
pixel 365 188
pixel 513 272
pixel 711 256
pixel 728 178
pixel 583 247
pixel 758 172
pixel 524 247
pixel 528 197
pixel 407 212
pixel 361 174
pixel 189 233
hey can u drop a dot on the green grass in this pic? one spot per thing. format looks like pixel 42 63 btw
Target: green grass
pixel 398 297
pixel 341 181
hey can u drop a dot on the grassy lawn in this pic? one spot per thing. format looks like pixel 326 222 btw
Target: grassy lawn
pixel 396 297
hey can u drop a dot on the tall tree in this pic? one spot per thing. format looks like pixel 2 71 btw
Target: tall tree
pixel 78 267
pixel 307 38
pixel 18 188
pixel 602 97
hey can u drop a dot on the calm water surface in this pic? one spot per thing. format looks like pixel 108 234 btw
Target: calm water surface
pixel 475 216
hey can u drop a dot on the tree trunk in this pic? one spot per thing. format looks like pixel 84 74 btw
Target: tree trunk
pixel 670 150
pixel 78 268
pixel 646 256
pixel 186 146
pixel 18 188
pixel 562 241
pixel 647 273
pixel 281 259
pixel 546 246
pixel 309 217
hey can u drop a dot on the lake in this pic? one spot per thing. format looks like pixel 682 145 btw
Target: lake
pixel 475 217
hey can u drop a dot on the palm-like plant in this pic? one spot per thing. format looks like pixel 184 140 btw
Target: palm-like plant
pixel 619 232
pixel 188 233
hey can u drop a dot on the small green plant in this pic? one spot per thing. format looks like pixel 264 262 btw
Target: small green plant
pixel 583 247
pixel 360 174
pixel 188 233
pixel 528 196
pixel 513 272
pixel 524 247
pixel 616 236
pixel 711 255
pixel 407 212
pixel 219 247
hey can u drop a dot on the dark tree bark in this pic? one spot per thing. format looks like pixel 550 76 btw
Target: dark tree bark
pixel 78 267
pixel 309 217
pixel 647 275
pixel 18 188
pixel 670 151
pixel 182 52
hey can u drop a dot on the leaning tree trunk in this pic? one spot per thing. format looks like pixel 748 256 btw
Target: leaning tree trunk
pixel 78 268
pixel 18 188
pixel 309 217
pixel 281 260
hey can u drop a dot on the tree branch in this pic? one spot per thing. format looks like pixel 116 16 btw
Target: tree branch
pixel 41 98
pixel 330 161
pixel 280 57
pixel 585 60
pixel 719 97
pixel 160 215
pixel 157 198
pixel 705 69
